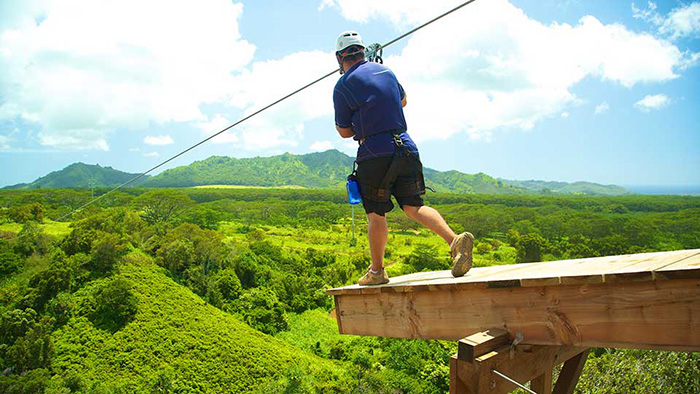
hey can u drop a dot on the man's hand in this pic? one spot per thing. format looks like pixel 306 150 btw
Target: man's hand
pixel 345 132
pixel 403 100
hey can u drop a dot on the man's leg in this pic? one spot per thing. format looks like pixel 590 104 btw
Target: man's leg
pixel 430 218
pixel 377 232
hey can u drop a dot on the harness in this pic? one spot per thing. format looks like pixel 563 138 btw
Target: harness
pixel 401 158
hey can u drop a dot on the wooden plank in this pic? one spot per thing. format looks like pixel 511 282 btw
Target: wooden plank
pixel 688 268
pixel 661 315
pixel 457 385
pixel 543 383
pixel 475 345
pixel 636 267
pixel 336 301
pixel 570 373
pixel 644 269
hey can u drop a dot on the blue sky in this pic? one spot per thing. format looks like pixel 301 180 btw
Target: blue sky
pixel 556 90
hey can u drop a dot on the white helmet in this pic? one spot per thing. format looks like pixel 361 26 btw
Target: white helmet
pixel 347 39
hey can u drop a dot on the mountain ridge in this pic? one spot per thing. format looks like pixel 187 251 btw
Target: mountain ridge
pixel 327 169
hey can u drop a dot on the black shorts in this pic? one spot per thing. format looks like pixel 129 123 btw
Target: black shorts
pixel 407 188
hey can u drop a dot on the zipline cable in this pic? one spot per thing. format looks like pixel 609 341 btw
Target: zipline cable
pixel 141 175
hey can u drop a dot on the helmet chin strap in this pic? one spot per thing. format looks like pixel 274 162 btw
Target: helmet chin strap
pixel 341 57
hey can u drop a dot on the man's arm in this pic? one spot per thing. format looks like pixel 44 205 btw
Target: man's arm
pixel 403 100
pixel 345 132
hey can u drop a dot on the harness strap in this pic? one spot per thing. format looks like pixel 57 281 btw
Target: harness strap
pixel 401 155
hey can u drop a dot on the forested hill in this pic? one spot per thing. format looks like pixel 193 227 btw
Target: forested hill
pixel 327 169
pixel 330 168
pixel 569 188
pixel 80 175
pixel 314 170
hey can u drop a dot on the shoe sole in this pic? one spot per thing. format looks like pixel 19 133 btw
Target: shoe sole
pixel 463 261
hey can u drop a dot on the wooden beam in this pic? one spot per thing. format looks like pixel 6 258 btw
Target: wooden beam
pixel 522 364
pixel 570 373
pixel 481 343
pixel 543 383
pixel 661 315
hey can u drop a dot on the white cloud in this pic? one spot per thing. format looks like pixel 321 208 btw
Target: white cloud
pixel 99 65
pixel 215 125
pixel 652 102
pixel 151 154
pixel 683 21
pixel 158 140
pixel 321 146
pixel 283 124
pixel 4 142
pixel 564 114
pixel 489 66
pixel 602 108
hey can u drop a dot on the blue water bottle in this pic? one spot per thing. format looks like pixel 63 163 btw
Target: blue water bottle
pixel 353 190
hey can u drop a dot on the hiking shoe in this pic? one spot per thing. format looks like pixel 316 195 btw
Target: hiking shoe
pixel 371 278
pixel 461 251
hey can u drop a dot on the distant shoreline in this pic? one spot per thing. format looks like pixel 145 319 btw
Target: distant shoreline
pixel 688 190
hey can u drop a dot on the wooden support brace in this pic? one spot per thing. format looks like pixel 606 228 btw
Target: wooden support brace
pixel 570 373
pixel 523 363
pixel 473 346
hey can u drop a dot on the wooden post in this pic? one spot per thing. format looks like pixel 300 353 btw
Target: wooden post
pixel 471 371
pixel 543 383
pixel 570 373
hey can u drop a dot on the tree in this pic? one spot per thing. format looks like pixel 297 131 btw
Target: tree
pixel 24 213
pixel 10 262
pixel 260 308
pixel 106 251
pixel 530 248
pixel 159 206
pixel 425 257
pixel 116 305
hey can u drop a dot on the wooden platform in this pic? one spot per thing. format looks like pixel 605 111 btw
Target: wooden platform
pixel 645 301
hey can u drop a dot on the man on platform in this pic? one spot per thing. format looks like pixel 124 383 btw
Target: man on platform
pixel 369 101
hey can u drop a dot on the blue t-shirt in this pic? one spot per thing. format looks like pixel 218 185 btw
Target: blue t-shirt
pixel 368 99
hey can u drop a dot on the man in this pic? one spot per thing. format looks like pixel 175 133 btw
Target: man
pixel 369 101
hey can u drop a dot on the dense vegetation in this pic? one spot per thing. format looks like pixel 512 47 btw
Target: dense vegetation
pixel 223 290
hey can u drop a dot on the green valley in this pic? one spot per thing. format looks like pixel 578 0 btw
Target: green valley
pixel 207 290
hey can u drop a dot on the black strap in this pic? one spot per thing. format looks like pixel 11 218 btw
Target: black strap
pixel 401 154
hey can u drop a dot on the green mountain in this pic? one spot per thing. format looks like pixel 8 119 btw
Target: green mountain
pixel 315 170
pixel 569 188
pixel 80 175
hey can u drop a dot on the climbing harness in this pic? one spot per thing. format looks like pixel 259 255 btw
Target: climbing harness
pixel 376 53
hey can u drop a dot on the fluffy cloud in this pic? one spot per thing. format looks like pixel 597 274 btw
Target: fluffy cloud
pixel 158 140
pixel 151 154
pixel 683 21
pixel 652 102
pixel 268 81
pixel 4 142
pixel 321 146
pixel 79 69
pixel 602 108
pixel 215 125
pixel 490 66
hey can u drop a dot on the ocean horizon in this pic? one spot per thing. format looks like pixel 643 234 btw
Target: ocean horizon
pixel 683 190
